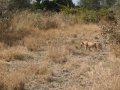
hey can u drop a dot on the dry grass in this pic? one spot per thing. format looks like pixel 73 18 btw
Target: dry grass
pixel 17 79
pixel 12 83
pixel 59 38
pixel 26 27
pixel 115 49
pixel 32 43
pixel 42 73
pixel 105 76
pixel 2 46
pixel 95 75
pixel 57 54
pixel 38 38
pixel 10 80
pixel 41 21
pixel 13 53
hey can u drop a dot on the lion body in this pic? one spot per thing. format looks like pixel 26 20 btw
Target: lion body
pixel 91 45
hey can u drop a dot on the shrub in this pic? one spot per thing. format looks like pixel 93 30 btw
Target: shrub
pixel 67 11
pixel 115 37
pixel 110 25
pixel 18 4
pixel 89 16
pixel 93 15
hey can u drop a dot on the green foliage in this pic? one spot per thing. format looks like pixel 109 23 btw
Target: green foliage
pixel 111 2
pixel 89 4
pixel 38 1
pixel 37 6
pixel 67 3
pixel 55 5
pixel 94 16
pixel 18 4
pixel 96 4
pixel 115 16
pixel 111 27
pixel 14 4
pixel 4 4
pixel 106 14
pixel 89 16
pixel 67 10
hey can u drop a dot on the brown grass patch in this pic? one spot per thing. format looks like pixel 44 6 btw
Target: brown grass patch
pixel 16 80
pixel 57 54
pixel 18 52
pixel 2 46
pixel 42 72
pixel 10 80
pixel 115 49
pixel 30 21
pixel 105 76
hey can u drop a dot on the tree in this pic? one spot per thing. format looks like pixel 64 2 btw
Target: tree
pixel 95 4
pixel 67 3
pixel 90 4
pixel 38 1
pixel 111 2
pixel 55 5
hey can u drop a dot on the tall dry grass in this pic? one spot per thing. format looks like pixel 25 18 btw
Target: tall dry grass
pixel 57 54
pixel 30 31
pixel 15 53
pixel 21 77
pixel 26 23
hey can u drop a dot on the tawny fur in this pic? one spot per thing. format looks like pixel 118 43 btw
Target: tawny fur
pixel 4 62
pixel 90 45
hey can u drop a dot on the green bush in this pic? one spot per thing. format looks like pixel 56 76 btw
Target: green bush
pixel 67 10
pixel 18 4
pixel 93 16
pixel 89 16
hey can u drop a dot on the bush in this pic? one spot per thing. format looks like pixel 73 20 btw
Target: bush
pixel 18 4
pixel 115 37
pixel 89 16
pixel 67 10
pixel 14 4
pixel 93 16
pixel 111 24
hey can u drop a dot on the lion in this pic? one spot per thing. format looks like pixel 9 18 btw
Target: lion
pixel 91 45
pixel 4 62
pixel 84 44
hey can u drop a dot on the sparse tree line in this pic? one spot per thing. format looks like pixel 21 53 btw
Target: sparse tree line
pixel 56 5
pixel 87 9
pixel 96 4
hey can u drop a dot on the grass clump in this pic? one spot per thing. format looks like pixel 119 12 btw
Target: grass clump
pixel 56 55
pixel 15 53
pixel 11 80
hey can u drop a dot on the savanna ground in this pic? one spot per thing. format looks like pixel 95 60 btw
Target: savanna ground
pixel 42 52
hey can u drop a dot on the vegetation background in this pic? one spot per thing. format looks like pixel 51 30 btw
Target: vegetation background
pixel 40 45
